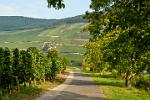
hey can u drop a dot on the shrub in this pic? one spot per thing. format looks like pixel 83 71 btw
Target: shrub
pixel 142 82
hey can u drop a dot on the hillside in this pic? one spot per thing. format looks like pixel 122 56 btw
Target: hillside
pixel 64 34
pixel 9 23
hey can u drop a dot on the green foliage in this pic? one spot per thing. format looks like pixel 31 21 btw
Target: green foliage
pixel 27 66
pixel 1 65
pixel 7 75
pixel 94 56
pixel 65 62
pixel 23 67
pixel 120 36
pixel 142 81
pixel 53 56
pixel 16 66
pixel 57 4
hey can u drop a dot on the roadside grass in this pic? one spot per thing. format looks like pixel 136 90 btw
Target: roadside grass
pixel 24 93
pixel 113 88
pixel 73 68
pixel 30 93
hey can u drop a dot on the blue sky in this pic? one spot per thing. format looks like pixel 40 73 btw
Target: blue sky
pixel 38 8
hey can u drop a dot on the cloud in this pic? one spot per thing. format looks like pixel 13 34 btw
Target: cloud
pixel 13 10
pixel 8 11
pixel 17 8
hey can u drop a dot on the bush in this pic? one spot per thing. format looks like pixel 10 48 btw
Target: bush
pixel 142 82
pixel 114 73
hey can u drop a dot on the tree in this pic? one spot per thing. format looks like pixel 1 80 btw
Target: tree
pixel 40 66
pixel 53 56
pixel 1 64
pixel 7 70
pixel 65 62
pixel 94 56
pixel 132 16
pixel 130 20
pixel 29 67
pixel 23 67
pixel 15 67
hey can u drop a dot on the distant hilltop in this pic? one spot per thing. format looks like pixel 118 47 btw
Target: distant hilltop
pixel 10 23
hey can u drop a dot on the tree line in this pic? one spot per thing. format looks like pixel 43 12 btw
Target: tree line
pixel 120 43
pixel 28 67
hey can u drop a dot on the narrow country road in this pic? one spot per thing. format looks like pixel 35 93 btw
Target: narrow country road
pixel 76 87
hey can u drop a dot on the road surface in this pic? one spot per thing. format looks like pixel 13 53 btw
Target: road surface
pixel 76 87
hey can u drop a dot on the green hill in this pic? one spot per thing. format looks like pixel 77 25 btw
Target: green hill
pixel 64 34
pixel 9 23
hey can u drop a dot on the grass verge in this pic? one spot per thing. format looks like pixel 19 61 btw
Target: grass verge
pixel 73 68
pixel 30 93
pixel 114 89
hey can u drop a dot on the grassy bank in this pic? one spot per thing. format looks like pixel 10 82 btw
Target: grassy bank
pixel 114 89
pixel 73 69
pixel 29 93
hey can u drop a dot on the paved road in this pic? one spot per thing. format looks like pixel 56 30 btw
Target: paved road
pixel 76 87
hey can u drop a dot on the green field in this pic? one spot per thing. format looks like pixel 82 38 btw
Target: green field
pixel 68 38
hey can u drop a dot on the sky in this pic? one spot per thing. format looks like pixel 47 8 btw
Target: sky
pixel 39 9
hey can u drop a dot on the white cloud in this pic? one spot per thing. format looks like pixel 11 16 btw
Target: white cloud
pixel 8 11
pixel 11 10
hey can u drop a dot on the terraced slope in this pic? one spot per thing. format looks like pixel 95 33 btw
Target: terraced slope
pixel 68 39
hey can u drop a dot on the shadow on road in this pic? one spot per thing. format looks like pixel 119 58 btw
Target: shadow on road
pixel 78 87
pixel 81 81
pixel 72 96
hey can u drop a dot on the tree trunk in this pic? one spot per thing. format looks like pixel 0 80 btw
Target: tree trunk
pixel 18 86
pixel 35 82
pixel 128 80
pixel 24 84
pixel 44 80
pixel 59 72
pixel 30 82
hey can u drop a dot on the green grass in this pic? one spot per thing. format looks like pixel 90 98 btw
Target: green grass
pixel 114 89
pixel 30 90
pixel 23 93
pixel 73 68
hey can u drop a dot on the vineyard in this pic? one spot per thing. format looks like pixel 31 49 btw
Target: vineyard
pixel 28 67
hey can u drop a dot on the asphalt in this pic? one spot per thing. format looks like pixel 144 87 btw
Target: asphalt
pixel 76 87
